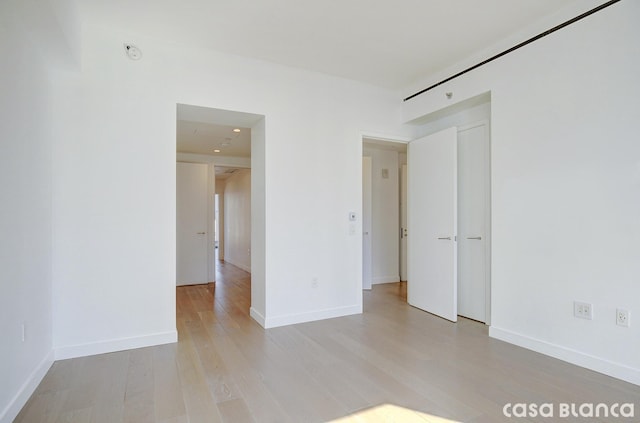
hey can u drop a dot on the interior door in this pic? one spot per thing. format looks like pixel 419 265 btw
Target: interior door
pixel 367 264
pixel 403 223
pixel 191 222
pixel 432 222
pixel 473 198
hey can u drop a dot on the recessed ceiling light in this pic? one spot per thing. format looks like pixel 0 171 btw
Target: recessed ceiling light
pixel 236 130
pixel 216 151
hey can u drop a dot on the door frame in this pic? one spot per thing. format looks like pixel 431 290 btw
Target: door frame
pixel 404 195
pixel 367 251
pixel 364 135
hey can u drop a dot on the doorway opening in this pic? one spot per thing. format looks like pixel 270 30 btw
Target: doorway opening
pixel 389 236
pixel 220 196
pixel 450 209
pixel 383 238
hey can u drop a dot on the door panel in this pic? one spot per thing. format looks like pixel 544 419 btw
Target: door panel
pixel 432 224
pixel 472 209
pixel 191 222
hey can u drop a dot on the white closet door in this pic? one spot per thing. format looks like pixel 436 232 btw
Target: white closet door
pixel 473 183
pixel 432 223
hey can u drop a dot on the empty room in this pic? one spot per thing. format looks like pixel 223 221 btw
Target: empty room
pixel 436 215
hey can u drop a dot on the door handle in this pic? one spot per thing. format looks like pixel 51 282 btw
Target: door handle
pixel 475 237
pixel 201 233
pixel 446 237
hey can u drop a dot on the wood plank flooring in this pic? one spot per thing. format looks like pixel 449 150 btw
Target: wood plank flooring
pixel 392 363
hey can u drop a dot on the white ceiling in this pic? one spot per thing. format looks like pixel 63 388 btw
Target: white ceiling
pixel 400 147
pixel 204 138
pixel 386 43
pixel 201 130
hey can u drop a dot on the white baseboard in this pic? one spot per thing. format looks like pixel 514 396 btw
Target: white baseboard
pixel 385 279
pixel 26 390
pixel 257 316
pixel 243 267
pixel 239 265
pixel 112 345
pixel 291 319
pixel 609 368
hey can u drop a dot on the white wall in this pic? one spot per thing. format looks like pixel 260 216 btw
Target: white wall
pixel 385 215
pixel 211 221
pixel 466 116
pixel 237 222
pixel 114 191
pixel 114 202
pixel 25 214
pixel 259 224
pixel 565 187
pixel 25 217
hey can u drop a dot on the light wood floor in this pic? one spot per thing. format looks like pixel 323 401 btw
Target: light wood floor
pixel 227 368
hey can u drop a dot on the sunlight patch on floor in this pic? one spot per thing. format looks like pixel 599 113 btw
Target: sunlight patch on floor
pixel 388 413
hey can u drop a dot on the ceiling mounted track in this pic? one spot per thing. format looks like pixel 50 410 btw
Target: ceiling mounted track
pixel 516 47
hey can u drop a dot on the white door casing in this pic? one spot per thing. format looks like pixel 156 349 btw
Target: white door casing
pixel 432 222
pixel 404 233
pixel 367 259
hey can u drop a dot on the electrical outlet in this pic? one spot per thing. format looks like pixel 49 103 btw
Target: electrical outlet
pixel 623 317
pixel 314 282
pixel 583 310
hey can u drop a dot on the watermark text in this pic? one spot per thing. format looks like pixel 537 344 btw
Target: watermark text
pixel 566 410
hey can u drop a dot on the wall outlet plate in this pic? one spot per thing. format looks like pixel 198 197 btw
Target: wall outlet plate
pixel 583 310
pixel 623 317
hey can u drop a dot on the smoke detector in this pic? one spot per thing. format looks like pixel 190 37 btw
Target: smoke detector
pixel 133 52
